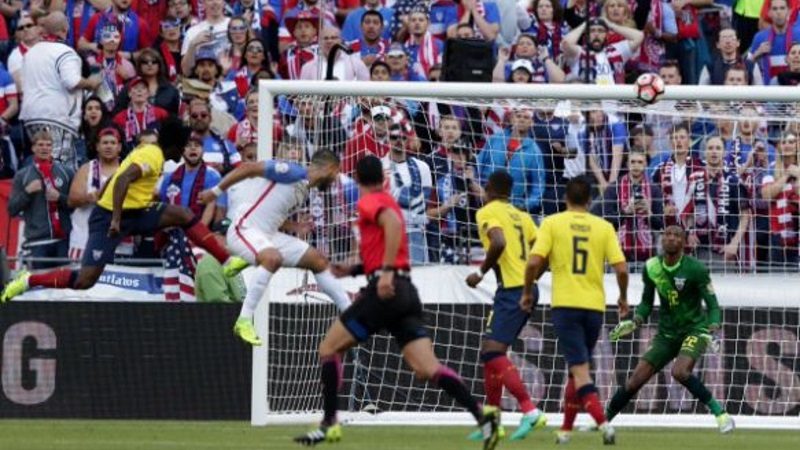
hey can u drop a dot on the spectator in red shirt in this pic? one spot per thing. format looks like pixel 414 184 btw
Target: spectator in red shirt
pixel 140 115
pixel 373 140
pixel 79 13
pixel 246 131
pixel 151 13
pixel 304 30
pixel 782 190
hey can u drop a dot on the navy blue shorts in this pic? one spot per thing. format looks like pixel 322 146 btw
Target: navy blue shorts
pixel 507 318
pixel 577 331
pixel 100 248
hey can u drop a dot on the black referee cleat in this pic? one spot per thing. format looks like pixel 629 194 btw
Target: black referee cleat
pixel 490 427
pixel 609 436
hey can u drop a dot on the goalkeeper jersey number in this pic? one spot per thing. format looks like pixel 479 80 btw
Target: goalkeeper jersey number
pixel 682 291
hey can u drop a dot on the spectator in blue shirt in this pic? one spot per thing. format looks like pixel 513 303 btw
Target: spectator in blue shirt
pixel 770 46
pixel 642 140
pixel 351 30
pixel 603 139
pixel 514 150
pixel 182 186
pixel 443 14
pixel 220 153
pixel 400 68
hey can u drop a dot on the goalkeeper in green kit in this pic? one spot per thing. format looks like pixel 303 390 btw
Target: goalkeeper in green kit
pixel 684 329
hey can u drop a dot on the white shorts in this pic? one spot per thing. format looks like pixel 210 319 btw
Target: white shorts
pixel 247 242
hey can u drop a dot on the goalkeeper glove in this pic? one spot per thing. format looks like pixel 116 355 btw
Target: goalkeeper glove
pixel 623 328
pixel 713 342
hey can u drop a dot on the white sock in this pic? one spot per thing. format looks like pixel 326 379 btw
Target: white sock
pixel 333 289
pixel 255 291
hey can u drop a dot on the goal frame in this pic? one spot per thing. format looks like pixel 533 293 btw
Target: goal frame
pixel 270 89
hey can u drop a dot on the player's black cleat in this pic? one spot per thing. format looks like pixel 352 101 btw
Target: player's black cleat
pixel 490 427
pixel 322 434
pixel 609 436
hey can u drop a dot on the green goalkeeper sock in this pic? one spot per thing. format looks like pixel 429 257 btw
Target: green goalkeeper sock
pixel 715 407
pixel 618 402
pixel 701 392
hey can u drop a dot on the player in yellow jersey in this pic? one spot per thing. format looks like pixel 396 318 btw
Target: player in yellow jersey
pixel 126 208
pixel 577 244
pixel 507 234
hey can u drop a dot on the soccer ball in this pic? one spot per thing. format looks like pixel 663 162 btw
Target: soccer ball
pixel 649 88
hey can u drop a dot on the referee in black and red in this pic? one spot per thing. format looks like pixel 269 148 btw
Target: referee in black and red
pixel 388 302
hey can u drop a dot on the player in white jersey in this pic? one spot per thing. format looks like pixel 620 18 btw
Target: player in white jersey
pixel 260 208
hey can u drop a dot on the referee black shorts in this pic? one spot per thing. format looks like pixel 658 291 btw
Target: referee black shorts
pixel 401 315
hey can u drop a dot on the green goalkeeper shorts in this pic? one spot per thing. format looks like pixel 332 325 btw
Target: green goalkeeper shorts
pixel 664 349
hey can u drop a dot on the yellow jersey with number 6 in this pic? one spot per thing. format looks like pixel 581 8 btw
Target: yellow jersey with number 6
pixel 519 232
pixel 577 245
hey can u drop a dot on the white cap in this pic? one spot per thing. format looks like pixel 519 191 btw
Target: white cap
pixel 522 64
pixel 396 49
pixel 381 110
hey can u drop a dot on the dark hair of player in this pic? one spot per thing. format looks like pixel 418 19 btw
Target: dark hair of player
pixel 324 158
pixel 677 229
pixel 579 191
pixel 369 171
pixel 172 138
pixel 500 184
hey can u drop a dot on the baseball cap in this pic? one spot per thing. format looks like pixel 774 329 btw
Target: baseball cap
pixel 134 81
pixel 380 110
pixel 110 131
pixel 522 64
pixel 597 22
pixel 205 53
pixel 396 50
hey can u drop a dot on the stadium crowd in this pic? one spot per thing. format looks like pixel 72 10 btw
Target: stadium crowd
pixel 86 81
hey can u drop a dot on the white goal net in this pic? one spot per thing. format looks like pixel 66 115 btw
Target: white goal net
pixel 719 164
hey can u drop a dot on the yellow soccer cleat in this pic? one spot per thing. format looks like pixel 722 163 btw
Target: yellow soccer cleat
pixel 477 435
pixel 322 434
pixel 233 266
pixel 490 427
pixel 245 329
pixel 563 437
pixel 16 287
pixel 725 423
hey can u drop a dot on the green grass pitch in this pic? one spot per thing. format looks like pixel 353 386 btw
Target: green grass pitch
pixel 169 435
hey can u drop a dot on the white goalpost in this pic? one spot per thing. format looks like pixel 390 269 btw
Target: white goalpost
pixel 756 375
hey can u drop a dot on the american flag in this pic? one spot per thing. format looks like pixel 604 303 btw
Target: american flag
pixel 179 267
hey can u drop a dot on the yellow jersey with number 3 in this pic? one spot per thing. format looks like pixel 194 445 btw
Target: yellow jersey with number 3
pixel 577 245
pixel 519 232
pixel 150 160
